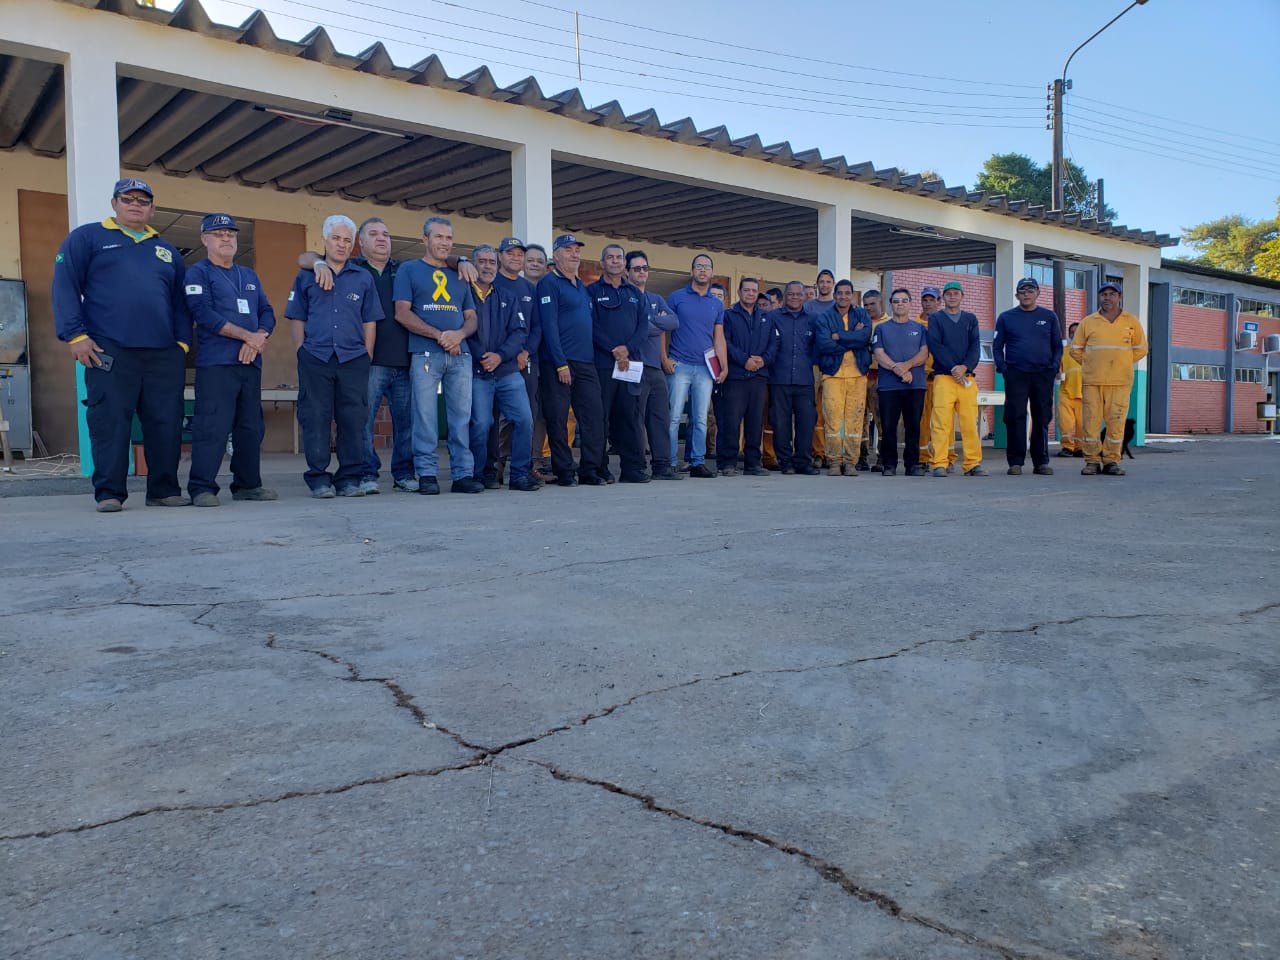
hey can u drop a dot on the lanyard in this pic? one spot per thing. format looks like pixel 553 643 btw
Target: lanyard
pixel 238 285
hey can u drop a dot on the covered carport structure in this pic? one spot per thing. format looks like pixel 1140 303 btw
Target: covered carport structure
pixel 283 132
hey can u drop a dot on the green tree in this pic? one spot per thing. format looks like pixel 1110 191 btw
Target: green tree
pixel 1019 177
pixel 1236 243
pixel 1267 262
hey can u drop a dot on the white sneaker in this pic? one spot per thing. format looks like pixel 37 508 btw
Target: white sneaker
pixel 369 487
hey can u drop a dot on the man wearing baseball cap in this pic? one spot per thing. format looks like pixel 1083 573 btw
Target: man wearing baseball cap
pixel 233 321
pixel 956 346
pixel 511 261
pixel 1027 349
pixel 568 373
pixel 1107 344
pixel 118 303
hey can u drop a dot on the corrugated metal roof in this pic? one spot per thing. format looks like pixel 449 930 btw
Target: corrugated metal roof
pixel 185 131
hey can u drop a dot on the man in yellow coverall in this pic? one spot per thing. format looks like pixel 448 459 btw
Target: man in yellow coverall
pixel 1070 420
pixel 1107 344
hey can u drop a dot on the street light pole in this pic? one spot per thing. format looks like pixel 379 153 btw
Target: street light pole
pixel 1060 87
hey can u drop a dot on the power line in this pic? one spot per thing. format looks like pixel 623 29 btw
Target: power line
pixel 1174 158
pixel 789 107
pixel 1141 136
pixel 1177 120
pixel 1207 153
pixel 1128 124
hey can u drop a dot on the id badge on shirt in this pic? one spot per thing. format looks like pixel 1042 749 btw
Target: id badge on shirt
pixel 242 305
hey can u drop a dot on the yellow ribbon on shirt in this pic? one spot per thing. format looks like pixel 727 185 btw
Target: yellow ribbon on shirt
pixel 441 290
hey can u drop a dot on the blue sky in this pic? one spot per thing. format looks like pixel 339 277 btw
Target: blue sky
pixel 1175 105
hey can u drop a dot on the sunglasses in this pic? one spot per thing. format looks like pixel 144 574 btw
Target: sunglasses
pixel 134 201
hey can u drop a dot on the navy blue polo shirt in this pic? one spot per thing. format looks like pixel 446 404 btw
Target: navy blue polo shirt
pixel 391 346
pixel 217 296
pixel 335 318
pixel 111 284
pixel 437 296
pixel 565 310
pixel 699 315
pixel 522 290
pixel 901 341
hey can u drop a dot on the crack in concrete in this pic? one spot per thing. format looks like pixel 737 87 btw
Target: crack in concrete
pixel 484 755
pixel 245 804
pixel 828 871
pixel 403 699
pixel 126 601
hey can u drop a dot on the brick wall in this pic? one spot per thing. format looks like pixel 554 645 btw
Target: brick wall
pixel 1198 406
pixel 1244 407
pixel 1199 327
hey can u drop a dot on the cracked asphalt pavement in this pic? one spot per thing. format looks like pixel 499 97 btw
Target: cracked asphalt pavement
pixel 1024 718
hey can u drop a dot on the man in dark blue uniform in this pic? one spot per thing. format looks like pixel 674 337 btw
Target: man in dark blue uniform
pixel 751 337
pixel 568 373
pixel 334 332
pixel 496 384
pixel 1028 352
pixel 118 302
pixel 233 321
pixel 793 410
pixel 654 408
pixel 619 328
pixel 511 255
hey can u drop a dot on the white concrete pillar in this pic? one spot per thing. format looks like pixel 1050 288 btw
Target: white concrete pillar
pixel 1010 257
pixel 835 239
pixel 531 194
pixel 1137 284
pixel 93 165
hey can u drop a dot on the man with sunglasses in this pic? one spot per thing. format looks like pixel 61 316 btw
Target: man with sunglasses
pixel 119 304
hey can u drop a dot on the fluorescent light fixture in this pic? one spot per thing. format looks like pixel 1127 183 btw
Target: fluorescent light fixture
pixel 330 118
pixel 927 233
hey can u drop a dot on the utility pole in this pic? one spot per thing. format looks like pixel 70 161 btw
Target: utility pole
pixel 1059 88
pixel 1059 204
pixel 1099 206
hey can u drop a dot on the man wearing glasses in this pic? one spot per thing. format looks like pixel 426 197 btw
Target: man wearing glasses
pixel 118 303
pixel 233 321
pixel 654 412
pixel 701 319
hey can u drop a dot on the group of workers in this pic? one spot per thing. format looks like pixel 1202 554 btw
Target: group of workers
pixel 522 350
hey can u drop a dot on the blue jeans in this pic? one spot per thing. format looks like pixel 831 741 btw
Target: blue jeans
pixel 427 373
pixel 392 383
pixel 690 380
pixel 513 404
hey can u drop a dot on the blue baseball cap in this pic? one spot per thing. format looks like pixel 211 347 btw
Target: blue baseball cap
pixel 510 243
pixel 931 292
pixel 566 240
pixel 126 184
pixel 217 221
pixel 1025 282
pixel 1111 285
